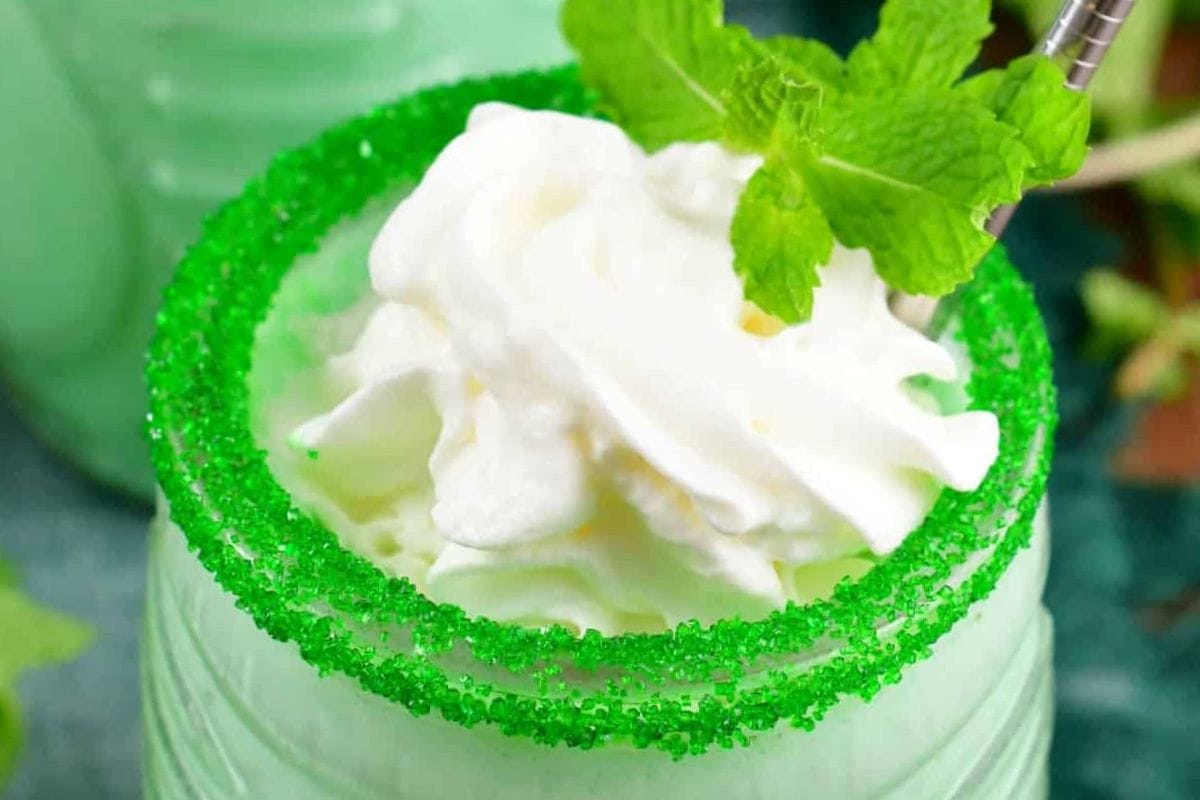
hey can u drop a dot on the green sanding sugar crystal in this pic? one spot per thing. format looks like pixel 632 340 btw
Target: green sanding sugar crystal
pixel 683 691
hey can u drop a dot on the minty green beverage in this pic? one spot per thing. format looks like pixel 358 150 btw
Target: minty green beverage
pixel 133 119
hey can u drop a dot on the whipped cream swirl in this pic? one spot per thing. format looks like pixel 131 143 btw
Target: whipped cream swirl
pixel 562 409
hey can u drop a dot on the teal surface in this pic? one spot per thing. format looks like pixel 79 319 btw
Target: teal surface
pixel 1128 719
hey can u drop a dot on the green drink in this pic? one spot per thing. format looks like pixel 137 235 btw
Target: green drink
pixel 136 120
pixel 926 677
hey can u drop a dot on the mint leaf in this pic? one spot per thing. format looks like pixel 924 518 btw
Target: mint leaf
pixel 780 237
pixel 30 636
pixel 766 94
pixel 1053 121
pixel 662 67
pixel 913 178
pixel 920 44
pixel 1123 93
pixel 809 60
pixel 790 76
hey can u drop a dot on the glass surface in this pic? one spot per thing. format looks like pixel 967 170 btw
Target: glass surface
pixel 231 713
pixel 135 119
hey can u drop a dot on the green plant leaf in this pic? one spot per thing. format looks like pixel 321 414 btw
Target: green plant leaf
pixel 662 68
pixel 920 44
pixel 1179 184
pixel 1031 96
pixel 11 734
pixel 30 636
pixel 913 178
pixel 1123 91
pixel 1122 311
pixel 812 60
pixel 766 94
pixel 34 636
pixel 779 238
pixel 1187 324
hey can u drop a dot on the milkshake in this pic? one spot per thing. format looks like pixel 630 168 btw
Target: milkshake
pixel 497 458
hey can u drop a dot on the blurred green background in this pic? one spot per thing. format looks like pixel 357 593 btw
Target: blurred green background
pixel 1124 585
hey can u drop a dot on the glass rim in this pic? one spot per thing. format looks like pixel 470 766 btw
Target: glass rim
pixel 291 574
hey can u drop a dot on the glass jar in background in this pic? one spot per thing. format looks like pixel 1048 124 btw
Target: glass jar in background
pixel 132 119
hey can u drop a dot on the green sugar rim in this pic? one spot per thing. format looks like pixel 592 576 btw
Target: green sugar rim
pixel 301 586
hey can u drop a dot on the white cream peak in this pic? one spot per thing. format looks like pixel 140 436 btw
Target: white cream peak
pixel 609 436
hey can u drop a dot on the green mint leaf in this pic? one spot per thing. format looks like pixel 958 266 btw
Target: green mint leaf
pixel 30 636
pixel 812 61
pixel 1030 95
pixel 913 178
pixel 780 237
pixel 1122 92
pixel 662 68
pixel 766 93
pixel 920 44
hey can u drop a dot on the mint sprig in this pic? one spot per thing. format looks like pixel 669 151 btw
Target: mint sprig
pixel 662 68
pixel 784 236
pixel 761 89
pixel 920 44
pixel 912 178
pixel 888 150
pixel 1052 123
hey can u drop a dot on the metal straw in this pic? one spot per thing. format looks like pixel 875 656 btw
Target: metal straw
pixel 1107 18
pixel 1093 24
pixel 1066 29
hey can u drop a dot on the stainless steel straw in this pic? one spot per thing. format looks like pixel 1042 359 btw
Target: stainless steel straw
pixel 1091 24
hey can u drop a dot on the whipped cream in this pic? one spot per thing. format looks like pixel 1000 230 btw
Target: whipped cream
pixel 562 409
